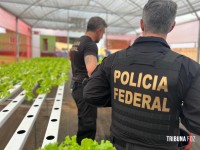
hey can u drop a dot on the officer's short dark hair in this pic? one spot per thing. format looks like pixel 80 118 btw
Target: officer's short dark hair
pixel 159 15
pixel 95 23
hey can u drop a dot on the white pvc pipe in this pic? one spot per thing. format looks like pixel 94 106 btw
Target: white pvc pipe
pixel 21 134
pixel 51 134
pixel 11 107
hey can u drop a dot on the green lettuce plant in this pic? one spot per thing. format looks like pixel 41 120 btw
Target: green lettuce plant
pixel 86 144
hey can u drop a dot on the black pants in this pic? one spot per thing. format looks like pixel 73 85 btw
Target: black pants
pixel 87 115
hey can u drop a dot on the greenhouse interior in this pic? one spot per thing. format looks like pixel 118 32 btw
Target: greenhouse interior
pixel 37 109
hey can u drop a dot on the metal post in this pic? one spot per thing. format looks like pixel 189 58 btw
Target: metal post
pixel 106 42
pixel 17 40
pixel 68 40
pixel 68 31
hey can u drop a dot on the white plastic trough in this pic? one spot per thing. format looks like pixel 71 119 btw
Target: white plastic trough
pixel 21 134
pixel 51 134
pixel 11 107
pixel 12 92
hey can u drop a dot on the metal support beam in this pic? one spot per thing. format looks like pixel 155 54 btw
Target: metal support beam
pixel 194 11
pixel 29 7
pixel 198 50
pixel 17 40
pixel 68 30
pixel 106 34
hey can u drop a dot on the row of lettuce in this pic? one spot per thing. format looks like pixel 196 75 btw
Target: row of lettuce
pixel 43 73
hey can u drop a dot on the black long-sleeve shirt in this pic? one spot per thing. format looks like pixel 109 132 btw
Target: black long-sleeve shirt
pixel 98 92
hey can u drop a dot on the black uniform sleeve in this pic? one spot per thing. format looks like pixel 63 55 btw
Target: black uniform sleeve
pixel 97 91
pixel 90 48
pixel 191 102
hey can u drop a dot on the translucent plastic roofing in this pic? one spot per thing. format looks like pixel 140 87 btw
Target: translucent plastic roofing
pixel 122 16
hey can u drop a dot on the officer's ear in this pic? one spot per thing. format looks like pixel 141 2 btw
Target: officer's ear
pixel 142 25
pixel 172 27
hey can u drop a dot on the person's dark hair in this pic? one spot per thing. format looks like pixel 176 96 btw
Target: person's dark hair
pixel 95 23
pixel 159 15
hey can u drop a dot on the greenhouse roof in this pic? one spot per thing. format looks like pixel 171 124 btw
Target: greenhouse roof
pixel 122 16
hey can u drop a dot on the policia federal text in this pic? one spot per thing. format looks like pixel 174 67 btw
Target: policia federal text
pixel 137 99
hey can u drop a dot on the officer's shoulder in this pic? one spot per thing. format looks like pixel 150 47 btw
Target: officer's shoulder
pixel 113 56
pixel 189 64
pixel 109 58
pixel 189 61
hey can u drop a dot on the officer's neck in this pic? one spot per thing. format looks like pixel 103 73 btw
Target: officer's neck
pixel 146 34
pixel 92 35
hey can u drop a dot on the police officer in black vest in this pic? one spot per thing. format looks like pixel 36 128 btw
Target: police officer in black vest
pixel 148 86
pixel 84 58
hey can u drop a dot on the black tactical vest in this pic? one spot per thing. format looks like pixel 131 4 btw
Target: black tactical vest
pixel 145 104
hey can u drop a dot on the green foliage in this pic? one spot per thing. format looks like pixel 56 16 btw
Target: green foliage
pixel 53 146
pixel 44 72
pixel 100 60
pixel 86 144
